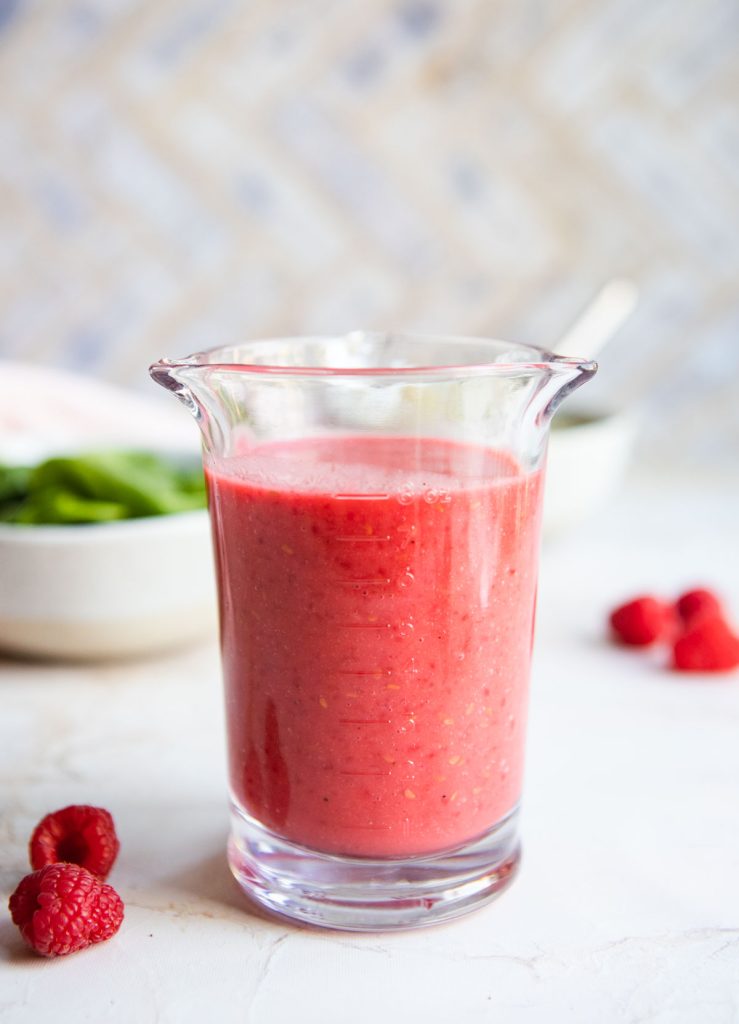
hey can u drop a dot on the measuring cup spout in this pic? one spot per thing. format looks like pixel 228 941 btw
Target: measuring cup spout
pixel 188 380
pixel 165 373
pixel 560 376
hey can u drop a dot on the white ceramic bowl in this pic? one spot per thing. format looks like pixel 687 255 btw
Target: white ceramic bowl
pixel 586 463
pixel 106 590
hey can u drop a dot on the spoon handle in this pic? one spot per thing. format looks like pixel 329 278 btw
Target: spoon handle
pixel 600 320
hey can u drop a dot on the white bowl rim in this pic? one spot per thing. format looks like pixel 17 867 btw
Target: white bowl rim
pixel 591 416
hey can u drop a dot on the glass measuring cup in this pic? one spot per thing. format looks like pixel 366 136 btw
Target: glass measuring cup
pixel 375 503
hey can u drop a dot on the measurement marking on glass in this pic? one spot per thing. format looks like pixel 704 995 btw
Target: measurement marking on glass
pixel 366 772
pixel 376 672
pixel 364 721
pixel 348 496
pixel 364 539
pixel 364 625
pixel 366 828
pixel 377 581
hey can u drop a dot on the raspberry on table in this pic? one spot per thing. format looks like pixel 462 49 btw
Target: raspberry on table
pixel 708 644
pixel 642 621
pixel 63 908
pixel 698 603
pixel 76 835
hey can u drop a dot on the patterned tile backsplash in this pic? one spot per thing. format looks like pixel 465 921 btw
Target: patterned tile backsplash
pixel 183 173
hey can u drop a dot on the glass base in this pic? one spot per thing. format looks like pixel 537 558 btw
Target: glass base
pixel 364 894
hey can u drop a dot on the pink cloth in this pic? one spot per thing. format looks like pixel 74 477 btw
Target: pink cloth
pixel 44 411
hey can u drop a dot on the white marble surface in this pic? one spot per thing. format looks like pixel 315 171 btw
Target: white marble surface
pixel 627 905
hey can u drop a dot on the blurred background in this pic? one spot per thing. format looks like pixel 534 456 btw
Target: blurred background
pixel 178 174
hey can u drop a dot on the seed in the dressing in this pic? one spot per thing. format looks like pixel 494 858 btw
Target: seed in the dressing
pixel 388 758
pixel 469 709
pixel 453 797
pixel 287 549
pixel 392 686
pixel 323 702
pixel 410 794
pixel 455 760
pixel 448 721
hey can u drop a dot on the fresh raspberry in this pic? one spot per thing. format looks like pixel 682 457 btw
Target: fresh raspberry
pixel 699 603
pixel 63 908
pixel 77 835
pixel 707 645
pixel 642 621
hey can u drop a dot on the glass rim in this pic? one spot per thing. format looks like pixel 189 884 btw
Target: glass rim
pixel 538 359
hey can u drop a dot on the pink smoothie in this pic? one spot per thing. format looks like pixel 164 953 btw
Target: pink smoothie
pixel 377 608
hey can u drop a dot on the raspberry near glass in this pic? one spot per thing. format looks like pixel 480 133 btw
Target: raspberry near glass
pixel 63 908
pixel 376 505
